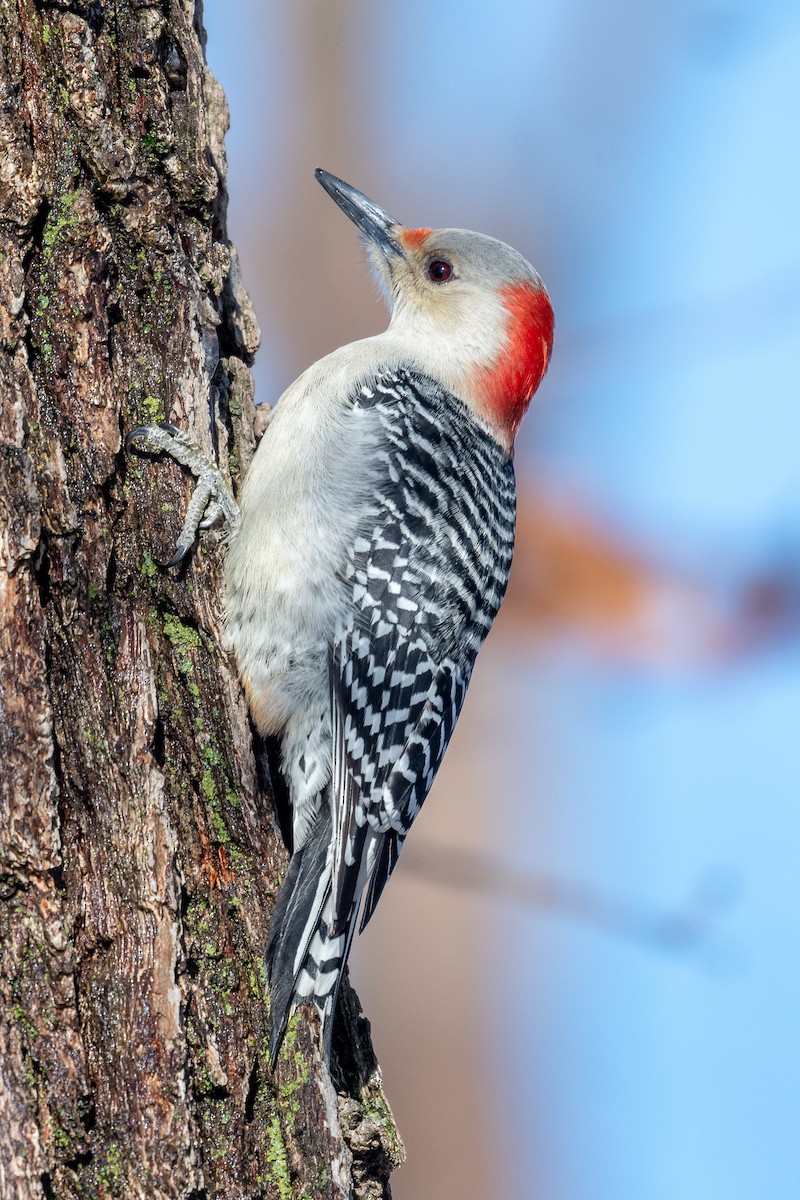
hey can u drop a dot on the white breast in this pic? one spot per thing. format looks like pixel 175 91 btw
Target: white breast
pixel 300 508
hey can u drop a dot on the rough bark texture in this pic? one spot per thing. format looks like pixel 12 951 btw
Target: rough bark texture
pixel 139 852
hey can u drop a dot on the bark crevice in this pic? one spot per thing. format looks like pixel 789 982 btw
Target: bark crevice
pixel 140 851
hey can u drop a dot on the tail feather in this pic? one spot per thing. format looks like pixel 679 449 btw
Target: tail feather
pixel 305 959
pixel 385 850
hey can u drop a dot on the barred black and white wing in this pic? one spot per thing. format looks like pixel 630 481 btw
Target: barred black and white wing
pixel 424 579
pixel 427 576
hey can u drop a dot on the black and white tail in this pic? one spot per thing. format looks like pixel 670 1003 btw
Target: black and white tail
pixel 305 959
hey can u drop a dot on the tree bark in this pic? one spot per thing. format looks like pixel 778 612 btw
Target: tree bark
pixel 140 855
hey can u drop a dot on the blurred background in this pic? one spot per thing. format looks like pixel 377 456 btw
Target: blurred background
pixel 584 978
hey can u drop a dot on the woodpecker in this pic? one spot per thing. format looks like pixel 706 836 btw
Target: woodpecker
pixel 369 559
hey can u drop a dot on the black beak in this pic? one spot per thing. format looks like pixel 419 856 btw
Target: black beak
pixel 373 221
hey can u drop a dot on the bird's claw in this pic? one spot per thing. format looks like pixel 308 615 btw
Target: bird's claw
pixel 212 499
pixel 158 436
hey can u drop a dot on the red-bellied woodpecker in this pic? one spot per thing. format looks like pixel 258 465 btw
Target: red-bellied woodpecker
pixel 368 563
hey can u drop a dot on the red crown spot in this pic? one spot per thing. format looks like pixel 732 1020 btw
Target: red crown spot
pixel 507 386
pixel 413 238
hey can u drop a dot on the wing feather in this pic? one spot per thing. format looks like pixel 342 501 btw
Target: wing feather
pixel 426 578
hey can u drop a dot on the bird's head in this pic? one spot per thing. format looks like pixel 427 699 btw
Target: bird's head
pixel 474 314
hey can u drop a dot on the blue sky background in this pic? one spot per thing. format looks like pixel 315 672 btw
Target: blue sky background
pixel 646 158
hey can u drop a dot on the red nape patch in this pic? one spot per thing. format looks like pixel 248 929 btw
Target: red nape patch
pixel 414 237
pixel 509 383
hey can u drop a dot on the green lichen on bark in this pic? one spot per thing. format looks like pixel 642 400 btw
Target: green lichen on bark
pixel 139 849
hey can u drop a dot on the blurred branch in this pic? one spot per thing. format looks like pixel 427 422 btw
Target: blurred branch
pixel 688 929
pixel 576 576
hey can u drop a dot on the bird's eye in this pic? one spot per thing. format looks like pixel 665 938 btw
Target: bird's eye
pixel 440 271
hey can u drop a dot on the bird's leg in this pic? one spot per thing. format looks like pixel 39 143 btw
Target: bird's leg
pixel 212 499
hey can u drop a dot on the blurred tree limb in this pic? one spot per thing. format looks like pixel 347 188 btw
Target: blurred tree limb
pixel 688 928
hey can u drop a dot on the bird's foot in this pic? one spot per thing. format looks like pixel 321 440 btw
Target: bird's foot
pixel 212 500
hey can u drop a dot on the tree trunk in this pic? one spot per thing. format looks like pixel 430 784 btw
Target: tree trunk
pixel 140 855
